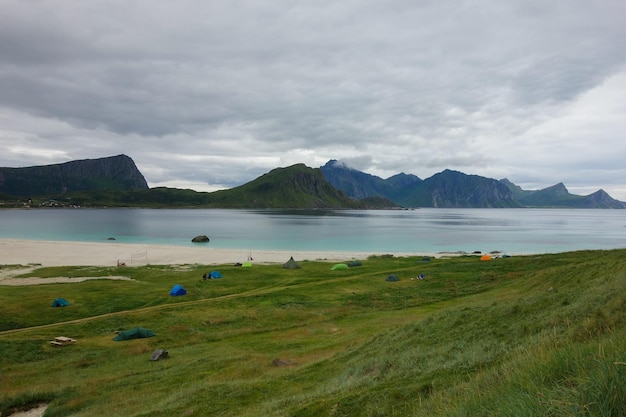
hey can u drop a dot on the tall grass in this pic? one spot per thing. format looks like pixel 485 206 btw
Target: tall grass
pixel 523 336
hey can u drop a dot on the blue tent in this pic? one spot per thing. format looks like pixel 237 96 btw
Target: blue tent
pixel 60 302
pixel 178 290
pixel 215 274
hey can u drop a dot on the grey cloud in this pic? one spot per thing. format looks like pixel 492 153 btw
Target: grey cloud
pixel 302 78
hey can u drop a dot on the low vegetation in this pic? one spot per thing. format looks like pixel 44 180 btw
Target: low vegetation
pixel 521 336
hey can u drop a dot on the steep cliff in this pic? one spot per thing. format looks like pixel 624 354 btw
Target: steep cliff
pixel 111 173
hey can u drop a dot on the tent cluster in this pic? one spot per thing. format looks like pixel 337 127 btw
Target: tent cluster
pixel 489 257
pixel 212 275
pixel 343 266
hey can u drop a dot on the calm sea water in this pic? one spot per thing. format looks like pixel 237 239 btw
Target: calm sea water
pixel 516 231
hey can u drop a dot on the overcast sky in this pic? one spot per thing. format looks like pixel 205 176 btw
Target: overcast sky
pixel 210 94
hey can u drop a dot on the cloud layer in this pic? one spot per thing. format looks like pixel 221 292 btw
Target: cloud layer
pixel 208 95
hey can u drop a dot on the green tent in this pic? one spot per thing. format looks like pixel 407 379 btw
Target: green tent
pixel 60 302
pixel 392 278
pixel 339 266
pixel 246 264
pixel 136 333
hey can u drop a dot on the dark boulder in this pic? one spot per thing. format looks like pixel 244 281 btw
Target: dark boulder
pixel 159 354
pixel 200 239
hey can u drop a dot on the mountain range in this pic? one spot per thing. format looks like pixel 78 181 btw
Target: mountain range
pixel 455 189
pixel 115 181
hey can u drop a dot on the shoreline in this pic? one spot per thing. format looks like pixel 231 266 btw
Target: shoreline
pixel 70 253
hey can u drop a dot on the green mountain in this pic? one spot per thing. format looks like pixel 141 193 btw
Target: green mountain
pixel 297 186
pixel 112 173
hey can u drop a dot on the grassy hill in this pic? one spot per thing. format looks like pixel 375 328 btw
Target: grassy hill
pixel 297 186
pixel 521 336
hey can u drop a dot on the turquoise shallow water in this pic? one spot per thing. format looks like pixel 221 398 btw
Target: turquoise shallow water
pixel 421 230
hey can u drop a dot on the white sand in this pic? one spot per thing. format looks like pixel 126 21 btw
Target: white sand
pixel 33 412
pixel 49 253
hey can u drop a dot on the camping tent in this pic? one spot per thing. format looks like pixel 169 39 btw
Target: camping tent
pixel 485 257
pixel 178 290
pixel 136 333
pixel 291 264
pixel 339 266
pixel 354 263
pixel 392 278
pixel 246 264
pixel 60 302
pixel 212 275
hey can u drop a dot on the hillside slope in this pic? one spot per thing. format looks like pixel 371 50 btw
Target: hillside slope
pixel 297 186
pixel 111 173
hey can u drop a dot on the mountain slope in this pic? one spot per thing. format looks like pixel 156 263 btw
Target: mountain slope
pixel 358 184
pixel 297 186
pixel 559 196
pixel 111 173
pixel 454 189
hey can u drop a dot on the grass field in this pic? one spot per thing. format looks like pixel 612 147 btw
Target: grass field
pixel 541 335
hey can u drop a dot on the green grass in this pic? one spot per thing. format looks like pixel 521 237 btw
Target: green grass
pixel 539 335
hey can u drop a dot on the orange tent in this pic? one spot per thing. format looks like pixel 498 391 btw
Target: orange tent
pixel 485 257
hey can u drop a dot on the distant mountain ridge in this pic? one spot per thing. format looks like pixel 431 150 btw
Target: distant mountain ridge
pixel 455 189
pixel 110 173
pixel 116 181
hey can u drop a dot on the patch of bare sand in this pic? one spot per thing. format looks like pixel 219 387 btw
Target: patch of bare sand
pixel 54 280
pixel 33 412
pixel 8 276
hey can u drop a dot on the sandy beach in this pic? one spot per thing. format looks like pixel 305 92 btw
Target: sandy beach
pixel 57 253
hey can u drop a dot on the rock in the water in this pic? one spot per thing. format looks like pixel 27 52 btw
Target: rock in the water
pixel 200 238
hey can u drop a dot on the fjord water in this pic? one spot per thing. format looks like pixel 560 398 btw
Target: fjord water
pixel 515 231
